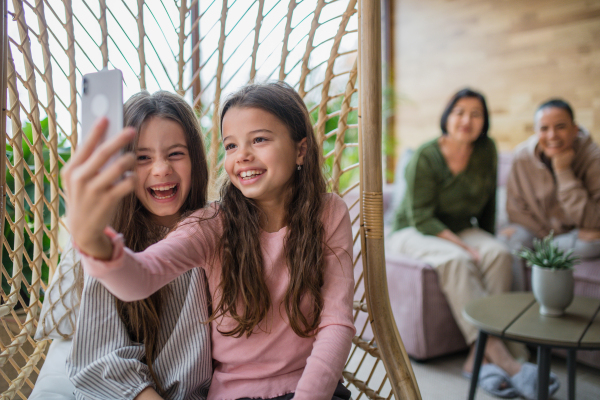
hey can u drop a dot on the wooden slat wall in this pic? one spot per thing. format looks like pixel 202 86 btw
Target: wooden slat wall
pixel 518 53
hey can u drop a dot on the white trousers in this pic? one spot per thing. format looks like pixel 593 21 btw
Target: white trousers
pixel 460 278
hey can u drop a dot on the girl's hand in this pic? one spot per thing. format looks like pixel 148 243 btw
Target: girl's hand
pixel 92 194
pixel 148 394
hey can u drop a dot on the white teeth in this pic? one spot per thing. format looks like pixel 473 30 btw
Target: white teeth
pixel 154 190
pixel 250 174
pixel 162 197
pixel 166 187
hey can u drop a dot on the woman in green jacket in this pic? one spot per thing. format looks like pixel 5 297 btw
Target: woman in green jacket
pixel 447 219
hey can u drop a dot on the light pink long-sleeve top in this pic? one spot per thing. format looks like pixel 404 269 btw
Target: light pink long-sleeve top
pixel 274 360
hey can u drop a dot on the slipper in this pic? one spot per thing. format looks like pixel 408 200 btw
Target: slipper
pixel 495 381
pixel 526 381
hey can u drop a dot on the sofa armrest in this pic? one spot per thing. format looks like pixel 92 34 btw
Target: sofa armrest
pixel 394 260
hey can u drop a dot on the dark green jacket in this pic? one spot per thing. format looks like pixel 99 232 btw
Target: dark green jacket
pixel 435 199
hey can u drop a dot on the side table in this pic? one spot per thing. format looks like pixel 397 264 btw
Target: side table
pixel 515 316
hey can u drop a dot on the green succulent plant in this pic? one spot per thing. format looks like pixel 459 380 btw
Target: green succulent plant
pixel 546 254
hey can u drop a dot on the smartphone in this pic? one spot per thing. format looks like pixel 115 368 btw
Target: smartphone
pixel 102 97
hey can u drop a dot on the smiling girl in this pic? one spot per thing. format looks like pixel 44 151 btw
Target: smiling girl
pixel 133 350
pixel 277 250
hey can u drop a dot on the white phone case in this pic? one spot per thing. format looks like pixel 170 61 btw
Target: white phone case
pixel 102 97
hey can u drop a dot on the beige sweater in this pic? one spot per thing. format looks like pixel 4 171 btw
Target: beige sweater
pixel 542 200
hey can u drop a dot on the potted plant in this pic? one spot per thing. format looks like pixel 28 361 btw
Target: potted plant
pixel 551 275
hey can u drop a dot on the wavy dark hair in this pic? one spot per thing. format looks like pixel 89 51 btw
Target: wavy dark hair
pixel 240 250
pixel 557 103
pixel 461 94
pixel 142 318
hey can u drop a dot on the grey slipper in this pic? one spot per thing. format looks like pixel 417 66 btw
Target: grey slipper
pixel 526 380
pixel 495 381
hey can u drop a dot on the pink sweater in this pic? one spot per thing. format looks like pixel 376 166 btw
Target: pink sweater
pixel 273 361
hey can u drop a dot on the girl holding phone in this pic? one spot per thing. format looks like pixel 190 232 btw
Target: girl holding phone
pixel 277 250
pixel 137 349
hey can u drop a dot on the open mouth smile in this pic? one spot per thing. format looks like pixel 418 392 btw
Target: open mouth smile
pixel 163 192
pixel 247 175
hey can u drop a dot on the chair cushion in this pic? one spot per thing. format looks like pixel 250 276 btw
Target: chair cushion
pixel 53 382
pixel 61 302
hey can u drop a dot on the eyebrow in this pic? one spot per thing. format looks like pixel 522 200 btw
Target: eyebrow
pixel 168 148
pixel 251 132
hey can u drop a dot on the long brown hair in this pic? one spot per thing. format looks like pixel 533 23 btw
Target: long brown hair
pixel 241 255
pixel 142 318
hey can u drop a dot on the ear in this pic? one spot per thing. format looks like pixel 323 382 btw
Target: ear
pixel 301 148
pixel 574 129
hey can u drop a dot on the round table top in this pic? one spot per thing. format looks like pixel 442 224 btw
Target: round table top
pixel 516 316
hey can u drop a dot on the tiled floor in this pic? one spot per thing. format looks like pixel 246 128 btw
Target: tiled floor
pixel 442 379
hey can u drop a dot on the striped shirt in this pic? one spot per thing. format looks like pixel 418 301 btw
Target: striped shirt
pixel 105 364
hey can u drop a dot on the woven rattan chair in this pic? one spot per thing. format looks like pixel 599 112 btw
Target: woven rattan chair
pixel 202 49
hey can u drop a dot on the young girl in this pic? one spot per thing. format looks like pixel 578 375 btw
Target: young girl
pixel 277 250
pixel 125 350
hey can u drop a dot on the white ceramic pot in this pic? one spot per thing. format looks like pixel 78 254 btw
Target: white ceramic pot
pixel 553 289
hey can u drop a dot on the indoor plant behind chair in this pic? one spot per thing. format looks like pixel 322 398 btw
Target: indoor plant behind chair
pixel 551 275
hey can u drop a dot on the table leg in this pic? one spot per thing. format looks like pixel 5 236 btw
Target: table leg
pixel 543 372
pixel 479 351
pixel 571 365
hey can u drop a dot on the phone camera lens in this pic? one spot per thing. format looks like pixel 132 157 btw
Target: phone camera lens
pixel 85 85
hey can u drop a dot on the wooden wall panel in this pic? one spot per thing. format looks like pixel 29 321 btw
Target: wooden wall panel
pixel 518 53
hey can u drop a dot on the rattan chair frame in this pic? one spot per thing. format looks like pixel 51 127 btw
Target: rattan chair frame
pixel 378 367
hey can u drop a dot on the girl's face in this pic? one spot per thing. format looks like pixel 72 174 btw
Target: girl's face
pixel 466 120
pixel 163 169
pixel 260 155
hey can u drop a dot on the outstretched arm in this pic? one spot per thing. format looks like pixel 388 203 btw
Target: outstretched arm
pixel 134 276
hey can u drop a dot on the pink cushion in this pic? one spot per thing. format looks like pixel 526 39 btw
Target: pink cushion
pixel 422 314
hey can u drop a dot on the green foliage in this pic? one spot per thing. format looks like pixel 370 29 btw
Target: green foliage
pixel 546 254
pixel 350 154
pixel 64 151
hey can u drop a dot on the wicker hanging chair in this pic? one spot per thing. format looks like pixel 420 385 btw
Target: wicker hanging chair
pixel 202 49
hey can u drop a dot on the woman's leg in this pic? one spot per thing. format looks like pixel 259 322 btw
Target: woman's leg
pixel 462 281
pixel 584 249
pixel 496 261
pixel 459 278
pixel 496 271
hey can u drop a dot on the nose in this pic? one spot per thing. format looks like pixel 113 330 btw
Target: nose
pixel 551 133
pixel 244 154
pixel 161 167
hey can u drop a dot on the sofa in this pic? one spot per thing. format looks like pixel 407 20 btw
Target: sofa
pixel 420 309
